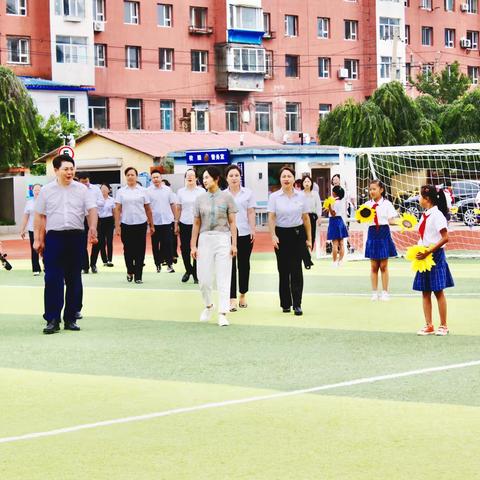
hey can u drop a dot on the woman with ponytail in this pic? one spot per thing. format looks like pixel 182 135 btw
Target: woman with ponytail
pixel 433 235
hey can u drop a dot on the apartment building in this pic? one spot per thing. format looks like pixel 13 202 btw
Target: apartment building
pixel 272 67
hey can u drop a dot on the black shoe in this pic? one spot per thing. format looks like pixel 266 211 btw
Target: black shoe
pixel 139 281
pixel 297 311
pixel 78 316
pixel 52 327
pixel 109 264
pixel 72 326
pixel 170 269
pixel 159 268
pixel 195 280
pixel 94 269
pixel 84 270
pixel 129 277
pixel 286 310
pixel 186 277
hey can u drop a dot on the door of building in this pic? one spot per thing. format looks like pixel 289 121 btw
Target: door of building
pixel 321 176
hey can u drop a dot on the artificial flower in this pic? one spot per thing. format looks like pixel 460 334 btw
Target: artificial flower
pixel 365 214
pixel 424 265
pixel 328 202
pixel 407 221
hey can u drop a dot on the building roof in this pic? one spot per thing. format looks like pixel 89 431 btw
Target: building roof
pixel 43 84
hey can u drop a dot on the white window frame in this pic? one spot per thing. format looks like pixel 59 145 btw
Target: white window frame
pixel 472 6
pixel 267 24
pixel 74 8
pixel 100 55
pixel 167 110
pixel 165 56
pixel 449 5
pixel 244 59
pixel 426 4
pixel 324 109
pixel 70 114
pixel 200 109
pixel 198 13
pixel 91 112
pixel 293 117
pixel 131 12
pixel 74 49
pixel 264 113
pixel 238 21
pixel 202 60
pixel 167 15
pixel 427 69
pixel 353 67
pixel 129 49
pixel 297 70
pixel 352 34
pixel 232 115
pixel 269 64
pixel 131 110
pixel 291 29
pixel 20 7
pixel 385 67
pixel 99 10
pixel 22 48
pixel 389 26
pixel 449 38
pixel 473 73
pixel 324 66
pixel 472 35
pixel 427 32
pixel 407 34
pixel 323 27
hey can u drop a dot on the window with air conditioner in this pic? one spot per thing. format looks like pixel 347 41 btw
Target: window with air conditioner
pixel 70 8
pixel 248 59
pixel 351 29
pixel 17 7
pixel 449 37
pixel 131 13
pixel 167 115
pixel 99 11
pixel 352 67
pixel 246 18
pixel 324 67
pixel 472 6
pixel 323 27
pixel 199 59
pixel 132 57
pixel 164 15
pixel 472 35
pixel 165 59
pixel 134 114
pixel 18 50
pixel 71 49
pixel 67 108
pixel 97 112
pixel 232 116
pixel 292 117
pixel 100 55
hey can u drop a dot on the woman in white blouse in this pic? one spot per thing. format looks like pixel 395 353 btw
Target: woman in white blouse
pixel 314 207
pixel 27 225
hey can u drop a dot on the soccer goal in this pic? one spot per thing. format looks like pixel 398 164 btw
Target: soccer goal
pixel 454 168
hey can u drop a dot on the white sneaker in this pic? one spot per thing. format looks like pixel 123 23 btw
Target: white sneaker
pixel 36 274
pixel 385 296
pixel 340 263
pixel 222 320
pixel 374 297
pixel 335 265
pixel 206 314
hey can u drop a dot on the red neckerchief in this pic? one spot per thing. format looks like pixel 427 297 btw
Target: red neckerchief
pixel 423 224
pixel 375 219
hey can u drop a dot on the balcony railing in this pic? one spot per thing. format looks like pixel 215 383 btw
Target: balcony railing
pixel 194 30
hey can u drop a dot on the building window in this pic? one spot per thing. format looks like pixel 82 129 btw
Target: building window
pixel 199 61
pixel 324 109
pixel 200 109
pixel 164 15
pixel 449 5
pixel 427 36
pixel 291 66
pixel 472 6
pixel 352 66
pixel 263 114
pixel 385 67
pixel 473 75
pixel 67 108
pixel 267 25
pixel 232 116
pixel 291 25
pixel 408 71
pixel 427 70
pixel 134 114
pixel 131 12
pixel 71 49
pixel 248 59
pixel 269 64
pixel 97 112
pixel 324 67
pixel 292 117
pixel 407 34
pixel 426 4
pixel 246 18
pixel 132 57
pixel 198 17
pixel 99 10
pixel 351 29
pixel 165 58
pixel 100 55
pixel 389 27
pixel 18 50
pixel 17 7
pixel 167 115
pixel 70 8
pixel 449 37
pixel 472 35
pixel 323 27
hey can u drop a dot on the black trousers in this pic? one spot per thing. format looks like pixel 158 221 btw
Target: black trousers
pixel 174 242
pixel 307 258
pixel 134 239
pixel 104 246
pixel 289 264
pixel 35 259
pixel 242 261
pixel 162 248
pixel 185 237
pixel 85 256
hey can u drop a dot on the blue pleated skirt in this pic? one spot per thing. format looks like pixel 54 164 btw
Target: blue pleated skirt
pixel 336 228
pixel 379 243
pixel 438 278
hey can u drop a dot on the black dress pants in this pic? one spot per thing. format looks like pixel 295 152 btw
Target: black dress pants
pixel 185 237
pixel 307 257
pixel 35 259
pixel 289 264
pixel 162 241
pixel 134 239
pixel 105 241
pixel 242 260
pixel 85 261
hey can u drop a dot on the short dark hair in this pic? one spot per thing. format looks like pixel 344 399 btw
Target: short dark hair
pixel 131 168
pixel 83 175
pixel 156 170
pixel 214 172
pixel 105 184
pixel 166 182
pixel 232 167
pixel 305 176
pixel 338 191
pixel 336 175
pixel 380 184
pixel 288 169
pixel 59 159
pixel 190 170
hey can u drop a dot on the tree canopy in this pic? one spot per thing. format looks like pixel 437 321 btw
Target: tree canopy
pixel 51 133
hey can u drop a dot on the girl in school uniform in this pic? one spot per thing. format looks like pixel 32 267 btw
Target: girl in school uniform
pixel 337 230
pixel 434 235
pixel 27 225
pixel 380 245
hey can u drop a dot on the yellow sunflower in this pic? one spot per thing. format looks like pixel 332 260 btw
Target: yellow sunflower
pixel 365 214
pixel 328 202
pixel 424 265
pixel 476 211
pixel 407 221
pixel 454 210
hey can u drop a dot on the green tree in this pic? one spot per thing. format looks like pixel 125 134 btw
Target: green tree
pixel 51 133
pixel 18 123
pixel 445 86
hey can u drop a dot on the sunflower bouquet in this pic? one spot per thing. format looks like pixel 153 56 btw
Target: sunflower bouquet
pixel 407 222
pixel 476 211
pixel 328 202
pixel 424 265
pixel 365 214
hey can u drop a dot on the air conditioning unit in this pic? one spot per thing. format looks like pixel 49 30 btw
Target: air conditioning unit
pixel 464 7
pixel 465 43
pixel 246 116
pixel 98 26
pixel 343 73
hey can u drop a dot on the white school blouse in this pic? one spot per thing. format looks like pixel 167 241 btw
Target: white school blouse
pixel 436 222
pixel 288 210
pixel 107 209
pixel 339 207
pixel 186 199
pixel 244 200
pixel 30 211
pixel 133 201
pixel 385 210
pixel 161 200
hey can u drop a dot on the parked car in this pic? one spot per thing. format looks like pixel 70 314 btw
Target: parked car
pixel 466 212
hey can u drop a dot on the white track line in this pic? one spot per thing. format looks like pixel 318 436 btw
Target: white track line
pixel 241 401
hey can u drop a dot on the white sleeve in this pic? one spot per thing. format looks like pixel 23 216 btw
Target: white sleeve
pixel 440 222
pixel 271 204
pixel 41 203
pixel 251 201
pixel 146 197
pixel 118 197
pixel 392 213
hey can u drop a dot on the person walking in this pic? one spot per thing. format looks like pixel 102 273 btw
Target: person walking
pixel 162 202
pixel 59 236
pixel 186 197
pixel 106 227
pixel 245 220
pixel 289 226
pixel 132 212
pixel 27 226
pixel 215 229
pixel 314 206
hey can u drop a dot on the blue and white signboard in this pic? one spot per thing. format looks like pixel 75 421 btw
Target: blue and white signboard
pixel 219 156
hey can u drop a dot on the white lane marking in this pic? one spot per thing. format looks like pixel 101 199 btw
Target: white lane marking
pixel 240 401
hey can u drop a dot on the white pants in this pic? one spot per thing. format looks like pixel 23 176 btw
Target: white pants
pixel 214 259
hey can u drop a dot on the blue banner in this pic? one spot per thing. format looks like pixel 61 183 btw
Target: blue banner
pixel 220 156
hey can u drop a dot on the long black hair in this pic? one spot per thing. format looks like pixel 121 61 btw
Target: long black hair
pixel 437 197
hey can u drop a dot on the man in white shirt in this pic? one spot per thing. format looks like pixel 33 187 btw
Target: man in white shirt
pixel 59 237
pixel 162 203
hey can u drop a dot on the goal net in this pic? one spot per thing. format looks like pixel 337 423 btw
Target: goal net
pixel 403 170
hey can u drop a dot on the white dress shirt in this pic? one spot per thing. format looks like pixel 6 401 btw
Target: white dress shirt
pixel 161 200
pixel 314 204
pixel 436 222
pixel 107 209
pixel 288 210
pixel 30 211
pixel 385 210
pixel 244 200
pixel 186 199
pixel 339 207
pixel 64 207
pixel 133 201
pixel 96 193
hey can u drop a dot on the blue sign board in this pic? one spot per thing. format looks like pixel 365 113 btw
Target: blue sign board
pixel 219 156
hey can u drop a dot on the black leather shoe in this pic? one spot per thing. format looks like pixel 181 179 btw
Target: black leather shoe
pixel 72 326
pixel 78 316
pixel 297 311
pixel 94 269
pixel 159 268
pixel 139 281
pixel 85 271
pixel 195 280
pixel 52 327
pixel 285 310
pixel 129 277
pixel 109 264
pixel 186 277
